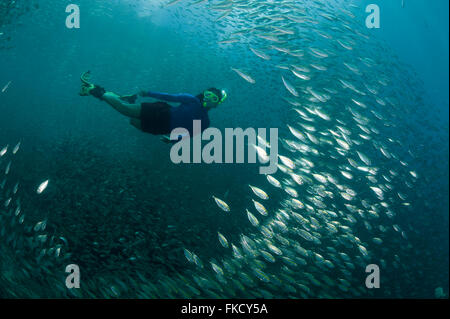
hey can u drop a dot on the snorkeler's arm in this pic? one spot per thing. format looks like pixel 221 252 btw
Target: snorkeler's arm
pixel 179 98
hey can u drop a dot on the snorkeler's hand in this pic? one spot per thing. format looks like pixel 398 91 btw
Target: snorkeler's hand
pixel 166 139
pixel 142 92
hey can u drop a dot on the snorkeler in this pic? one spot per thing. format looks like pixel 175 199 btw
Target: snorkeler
pixel 159 118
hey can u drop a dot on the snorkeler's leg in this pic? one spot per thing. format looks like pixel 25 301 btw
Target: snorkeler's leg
pixel 136 123
pixel 130 110
pixel 125 105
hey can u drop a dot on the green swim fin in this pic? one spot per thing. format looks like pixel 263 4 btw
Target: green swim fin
pixel 88 88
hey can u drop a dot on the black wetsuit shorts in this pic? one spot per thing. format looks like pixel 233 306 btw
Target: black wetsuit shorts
pixel 155 118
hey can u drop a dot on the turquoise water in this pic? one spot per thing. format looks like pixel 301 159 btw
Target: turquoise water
pixel 120 209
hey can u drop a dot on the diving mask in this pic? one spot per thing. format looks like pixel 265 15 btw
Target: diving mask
pixel 211 97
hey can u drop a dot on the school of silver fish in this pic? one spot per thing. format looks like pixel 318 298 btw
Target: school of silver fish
pixel 342 187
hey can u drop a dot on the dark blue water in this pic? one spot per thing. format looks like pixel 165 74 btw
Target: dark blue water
pixel 127 212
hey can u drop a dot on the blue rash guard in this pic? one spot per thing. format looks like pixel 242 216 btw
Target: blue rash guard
pixel 190 109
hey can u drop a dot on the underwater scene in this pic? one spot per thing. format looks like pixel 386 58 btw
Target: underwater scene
pixel 337 111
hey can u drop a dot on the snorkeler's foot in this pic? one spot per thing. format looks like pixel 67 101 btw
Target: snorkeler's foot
pixel 131 99
pixel 91 89
pixel 88 88
pixel 85 89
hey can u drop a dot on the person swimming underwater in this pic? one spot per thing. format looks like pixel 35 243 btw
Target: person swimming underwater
pixel 159 118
